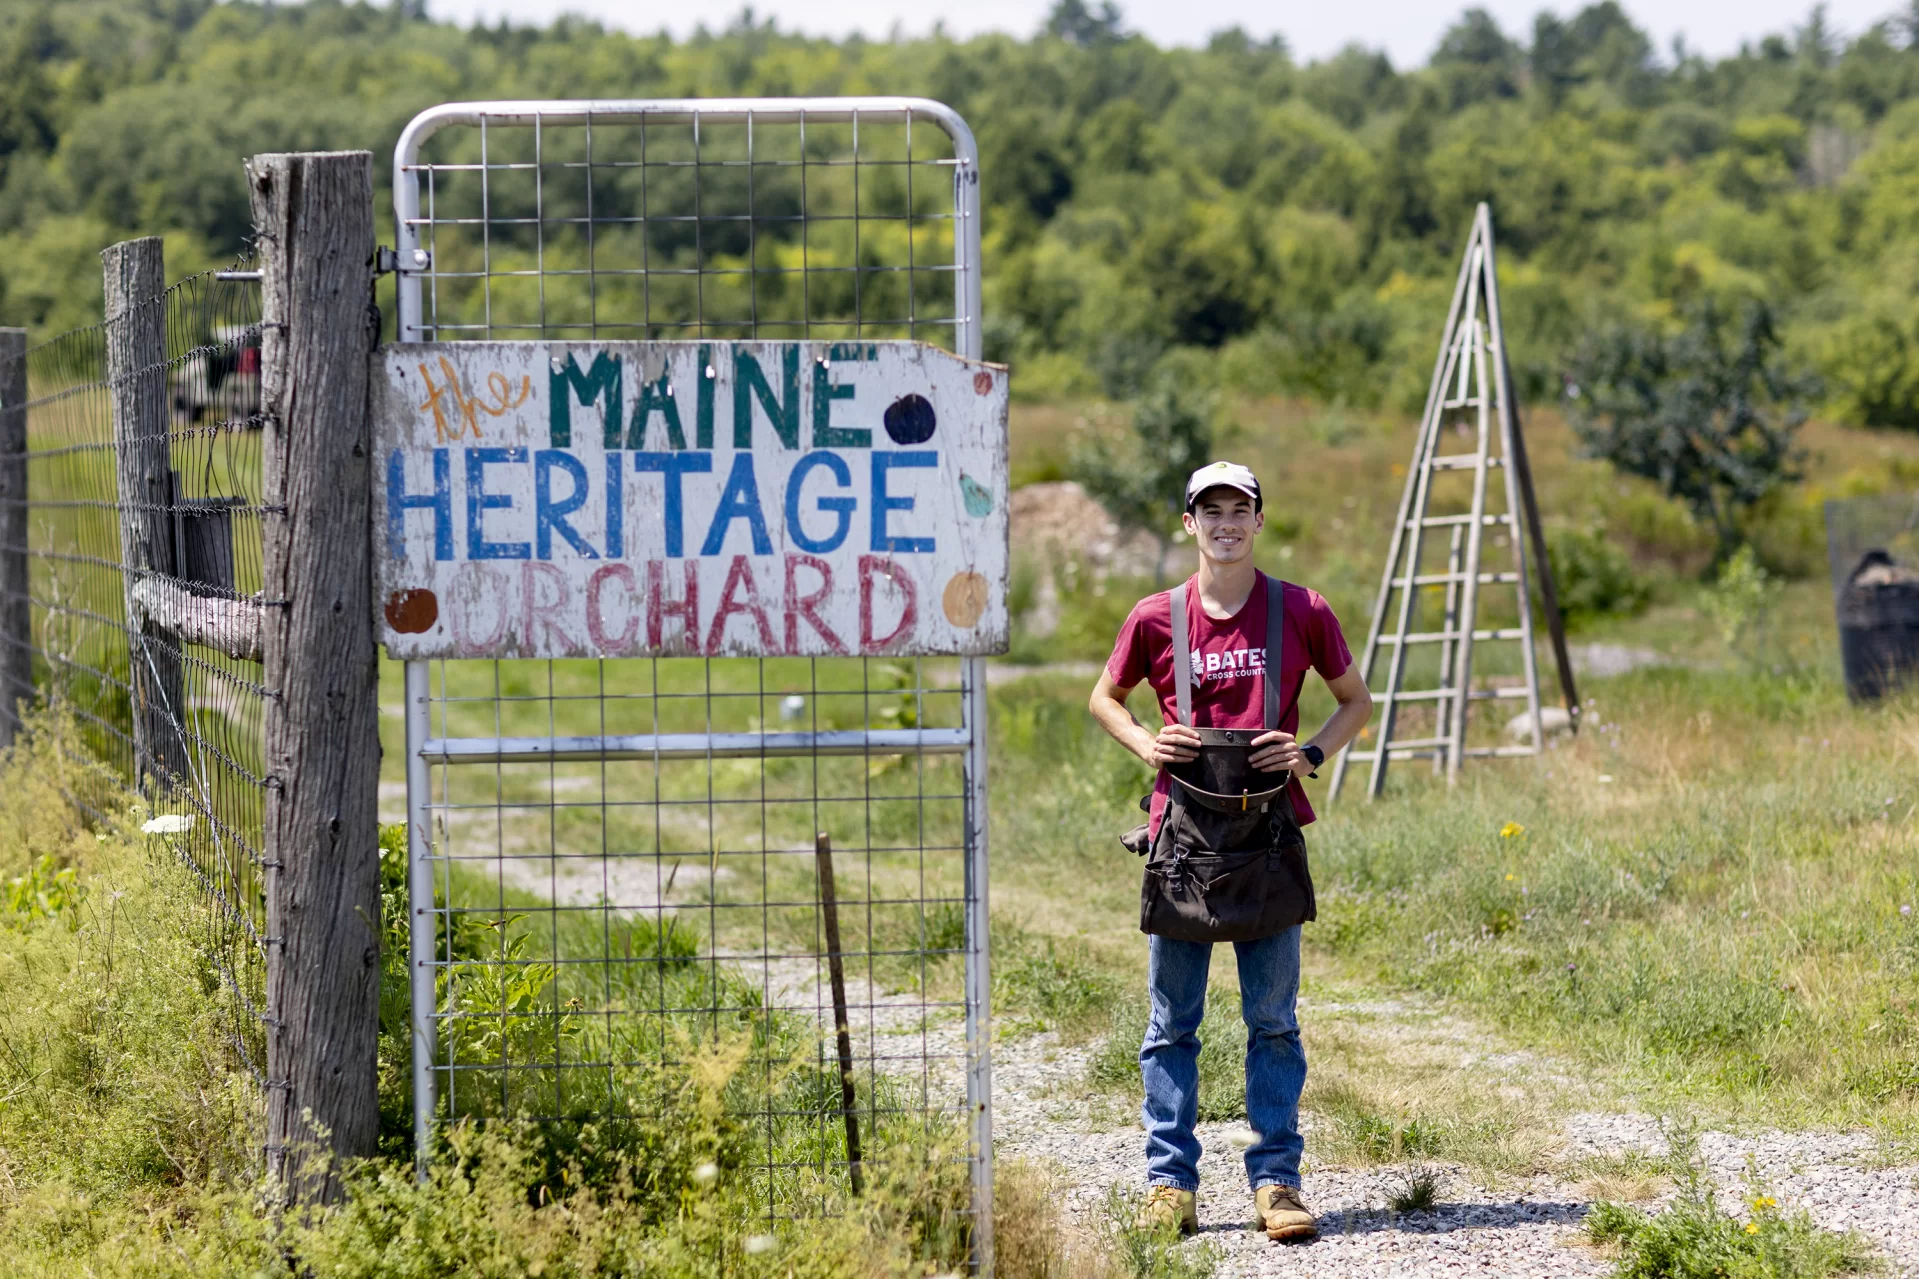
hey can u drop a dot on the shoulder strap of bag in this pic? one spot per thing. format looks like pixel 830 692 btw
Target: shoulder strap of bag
pixel 1275 674
pixel 1182 656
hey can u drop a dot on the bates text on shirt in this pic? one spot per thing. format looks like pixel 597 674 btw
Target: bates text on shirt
pixel 1229 663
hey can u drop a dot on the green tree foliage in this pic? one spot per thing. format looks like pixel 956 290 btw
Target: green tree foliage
pixel 1709 413
pixel 1476 60
pixel 1297 221
pixel 1141 480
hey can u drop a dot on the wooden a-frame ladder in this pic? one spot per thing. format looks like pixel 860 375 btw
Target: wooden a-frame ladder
pixel 1472 394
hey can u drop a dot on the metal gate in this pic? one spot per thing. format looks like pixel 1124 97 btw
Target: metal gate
pixel 607 857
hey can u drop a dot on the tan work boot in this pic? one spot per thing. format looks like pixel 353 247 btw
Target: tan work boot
pixel 1169 1206
pixel 1282 1216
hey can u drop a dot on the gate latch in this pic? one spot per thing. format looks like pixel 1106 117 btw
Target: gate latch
pixel 387 261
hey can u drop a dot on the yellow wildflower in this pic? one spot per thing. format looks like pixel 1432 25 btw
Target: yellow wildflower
pixel 1510 829
pixel 1510 878
pixel 1752 1227
pixel 1764 1202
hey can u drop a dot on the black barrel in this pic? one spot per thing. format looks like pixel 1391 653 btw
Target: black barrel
pixel 1878 626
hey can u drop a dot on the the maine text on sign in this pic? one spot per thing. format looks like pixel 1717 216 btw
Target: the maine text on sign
pixel 542 499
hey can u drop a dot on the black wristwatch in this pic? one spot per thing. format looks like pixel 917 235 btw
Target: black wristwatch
pixel 1314 756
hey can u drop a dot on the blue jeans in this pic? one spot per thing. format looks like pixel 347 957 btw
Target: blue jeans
pixel 1275 1062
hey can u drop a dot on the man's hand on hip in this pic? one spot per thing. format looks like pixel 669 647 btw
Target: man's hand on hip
pixel 1175 744
pixel 1278 752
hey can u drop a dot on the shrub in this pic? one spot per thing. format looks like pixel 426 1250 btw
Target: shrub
pixel 1142 482
pixel 1872 359
pixel 1711 414
pixel 1593 577
pixel 1740 599
pixel 1332 356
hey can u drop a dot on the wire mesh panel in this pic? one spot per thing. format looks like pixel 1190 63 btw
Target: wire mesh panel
pixel 153 665
pixel 631 863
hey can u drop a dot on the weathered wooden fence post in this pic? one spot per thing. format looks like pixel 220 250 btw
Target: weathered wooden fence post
pixel 16 607
pixel 313 214
pixel 136 278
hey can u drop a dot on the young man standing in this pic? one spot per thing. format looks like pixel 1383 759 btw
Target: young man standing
pixel 1226 611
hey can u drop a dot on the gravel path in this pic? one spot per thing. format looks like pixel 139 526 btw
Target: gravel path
pixel 1524 1227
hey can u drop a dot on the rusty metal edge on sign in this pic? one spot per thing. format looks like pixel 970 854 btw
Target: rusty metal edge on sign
pixel 632 499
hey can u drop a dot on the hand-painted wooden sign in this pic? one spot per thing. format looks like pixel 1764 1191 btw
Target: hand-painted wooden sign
pixel 617 499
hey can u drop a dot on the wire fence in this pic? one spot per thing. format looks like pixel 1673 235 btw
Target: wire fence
pixel 133 591
pixel 601 918
pixel 719 225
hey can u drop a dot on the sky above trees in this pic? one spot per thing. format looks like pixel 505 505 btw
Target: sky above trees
pixel 1408 30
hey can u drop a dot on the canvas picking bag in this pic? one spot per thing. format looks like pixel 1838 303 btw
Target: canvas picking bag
pixel 1229 862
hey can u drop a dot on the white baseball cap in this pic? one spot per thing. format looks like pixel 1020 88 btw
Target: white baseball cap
pixel 1228 474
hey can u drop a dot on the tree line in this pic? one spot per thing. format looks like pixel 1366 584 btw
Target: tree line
pixel 1291 226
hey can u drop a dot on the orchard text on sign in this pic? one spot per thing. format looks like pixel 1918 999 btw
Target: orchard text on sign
pixel 617 499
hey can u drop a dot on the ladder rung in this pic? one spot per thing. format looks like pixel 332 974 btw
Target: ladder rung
pixel 1436 637
pixel 1461 462
pixel 1441 694
pixel 1414 743
pixel 1470 402
pixel 1440 579
pixel 1439 521
pixel 1428 746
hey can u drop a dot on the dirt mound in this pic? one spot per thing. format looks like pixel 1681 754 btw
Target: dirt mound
pixel 1060 522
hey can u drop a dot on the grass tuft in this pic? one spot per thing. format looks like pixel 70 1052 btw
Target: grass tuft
pixel 1695 1238
pixel 1417 1191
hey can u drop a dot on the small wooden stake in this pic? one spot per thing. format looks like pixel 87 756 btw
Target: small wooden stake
pixel 836 966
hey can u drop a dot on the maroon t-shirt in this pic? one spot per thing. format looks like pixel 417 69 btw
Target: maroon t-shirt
pixel 1229 658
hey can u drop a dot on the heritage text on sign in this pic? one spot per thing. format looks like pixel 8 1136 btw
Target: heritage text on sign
pixel 621 499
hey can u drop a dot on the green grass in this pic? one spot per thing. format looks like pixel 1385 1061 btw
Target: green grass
pixel 1720 920
pixel 1047 983
pixel 1722 915
pixel 129 1125
pixel 119 1067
